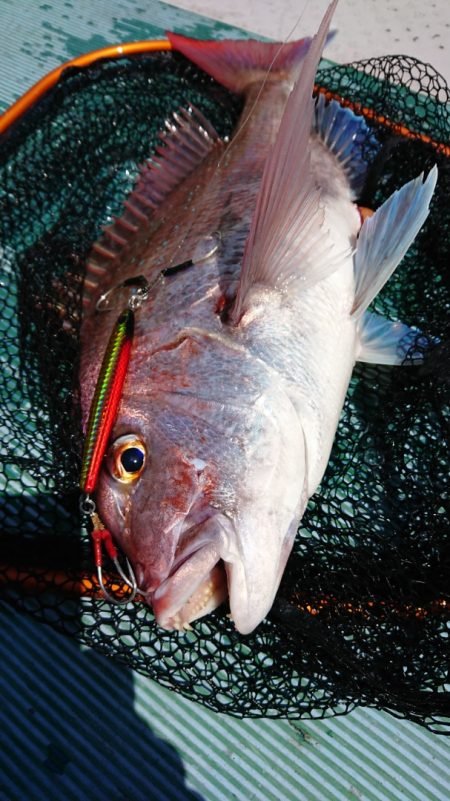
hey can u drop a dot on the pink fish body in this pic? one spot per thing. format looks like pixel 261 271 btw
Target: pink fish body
pixel 241 362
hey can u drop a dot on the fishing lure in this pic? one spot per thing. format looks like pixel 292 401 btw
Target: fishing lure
pixel 102 415
pixel 106 399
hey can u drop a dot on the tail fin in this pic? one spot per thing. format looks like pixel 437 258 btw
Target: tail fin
pixel 237 63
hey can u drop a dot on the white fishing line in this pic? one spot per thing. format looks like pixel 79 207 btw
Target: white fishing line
pixel 261 88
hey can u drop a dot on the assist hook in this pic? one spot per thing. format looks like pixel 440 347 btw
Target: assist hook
pixel 101 536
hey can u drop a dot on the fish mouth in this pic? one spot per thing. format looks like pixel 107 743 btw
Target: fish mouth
pixel 196 585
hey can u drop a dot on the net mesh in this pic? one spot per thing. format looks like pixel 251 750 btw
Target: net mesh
pixel 362 615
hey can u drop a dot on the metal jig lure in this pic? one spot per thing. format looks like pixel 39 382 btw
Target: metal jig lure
pixel 106 399
pixel 102 415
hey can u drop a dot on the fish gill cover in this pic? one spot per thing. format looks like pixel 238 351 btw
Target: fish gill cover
pixel 362 614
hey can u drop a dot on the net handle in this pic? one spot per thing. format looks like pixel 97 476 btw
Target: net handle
pixel 39 89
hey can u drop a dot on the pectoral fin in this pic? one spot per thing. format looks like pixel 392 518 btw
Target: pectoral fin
pixel 288 239
pixel 382 341
pixel 386 236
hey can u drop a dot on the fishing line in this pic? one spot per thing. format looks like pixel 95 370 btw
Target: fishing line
pixel 263 84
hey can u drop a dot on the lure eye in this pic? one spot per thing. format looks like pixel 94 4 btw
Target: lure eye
pixel 128 457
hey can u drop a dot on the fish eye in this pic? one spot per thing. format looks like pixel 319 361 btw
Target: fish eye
pixel 127 460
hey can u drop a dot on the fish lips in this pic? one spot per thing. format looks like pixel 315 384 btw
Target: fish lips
pixel 201 583
pixel 195 588
pixel 213 566
pixel 197 582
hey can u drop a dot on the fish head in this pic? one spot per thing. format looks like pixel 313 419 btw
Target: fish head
pixel 146 506
pixel 213 505
pixel 154 495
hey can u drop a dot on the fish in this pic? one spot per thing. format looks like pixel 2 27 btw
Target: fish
pixel 243 353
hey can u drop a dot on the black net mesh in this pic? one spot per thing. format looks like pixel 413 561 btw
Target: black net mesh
pixel 362 613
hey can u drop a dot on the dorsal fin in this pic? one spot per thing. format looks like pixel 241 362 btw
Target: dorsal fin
pixel 287 228
pixel 188 140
